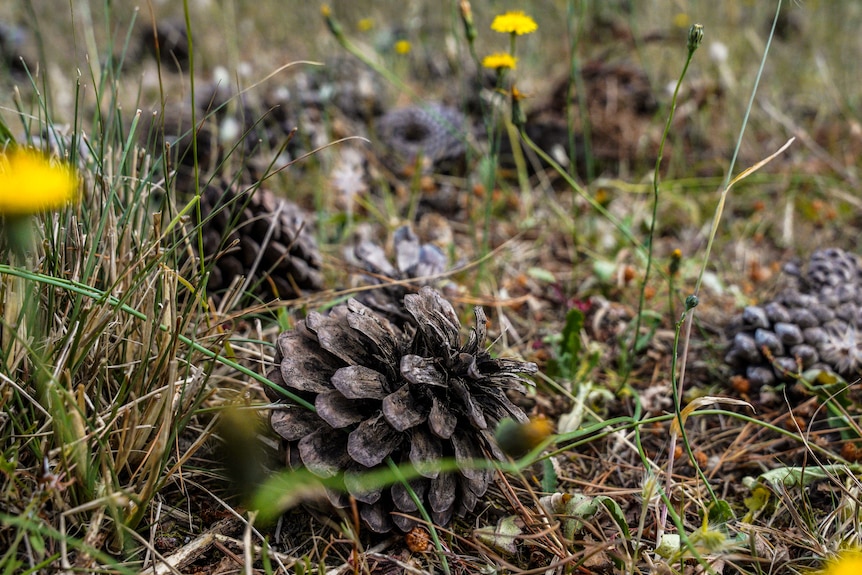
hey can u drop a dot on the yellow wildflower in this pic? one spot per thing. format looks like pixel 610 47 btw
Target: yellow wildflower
pixel 402 47
pixel 675 261
pixel 848 562
pixel 681 20
pixel 365 24
pixel 517 439
pixel 30 183
pixel 499 60
pixel 514 22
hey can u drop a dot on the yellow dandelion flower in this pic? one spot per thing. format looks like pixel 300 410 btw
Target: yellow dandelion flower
pixel 365 24
pixel 500 60
pixel 517 439
pixel 848 562
pixel 29 183
pixel 402 47
pixel 681 20
pixel 514 22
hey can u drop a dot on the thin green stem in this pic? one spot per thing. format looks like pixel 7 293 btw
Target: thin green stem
pixel 652 227
pixel 400 478
pixel 680 386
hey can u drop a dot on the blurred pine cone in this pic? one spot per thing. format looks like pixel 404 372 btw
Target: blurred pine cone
pixel 434 133
pixel 619 107
pixel 259 236
pixel 413 261
pixel 168 43
pixel 416 395
pixel 812 324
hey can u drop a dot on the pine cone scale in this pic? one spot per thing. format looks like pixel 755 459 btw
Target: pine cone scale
pixel 339 411
pixel 301 369
pixel 443 493
pixel 360 382
pixel 420 370
pixel 372 441
pixel 436 319
pixel 441 421
pixel 293 422
pixel 323 457
pixel 425 453
pixel 401 498
pixel 402 411
pixel 356 486
pixel 474 413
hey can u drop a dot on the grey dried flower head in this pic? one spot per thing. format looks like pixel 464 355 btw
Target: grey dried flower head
pixel 417 395
pixel 812 324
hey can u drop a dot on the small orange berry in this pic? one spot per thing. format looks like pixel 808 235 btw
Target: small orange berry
pixel 417 540
pixel 740 384
pixel 649 292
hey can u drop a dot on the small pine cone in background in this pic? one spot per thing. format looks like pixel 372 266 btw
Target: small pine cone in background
pixel 434 133
pixel 813 324
pixel 413 261
pixel 258 236
pixel 417 395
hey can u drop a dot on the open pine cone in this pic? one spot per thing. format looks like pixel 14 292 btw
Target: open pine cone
pixel 416 396
pixel 413 261
pixel 433 133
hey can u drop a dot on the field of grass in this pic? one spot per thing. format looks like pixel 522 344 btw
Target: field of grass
pixel 612 202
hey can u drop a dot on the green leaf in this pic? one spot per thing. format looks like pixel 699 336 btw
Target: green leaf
pixel 503 537
pixel 604 270
pixel 616 514
pixel 549 476
pixel 37 543
pixel 784 477
pixel 541 275
pixel 669 546
pixel 720 513
pixel 651 321
pixel 569 352
pixel 264 556
pixel 6 136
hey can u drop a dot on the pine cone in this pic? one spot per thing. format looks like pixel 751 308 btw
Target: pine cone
pixel 416 395
pixel 811 324
pixel 169 43
pixel 620 106
pixel 435 133
pixel 258 235
pixel 413 260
